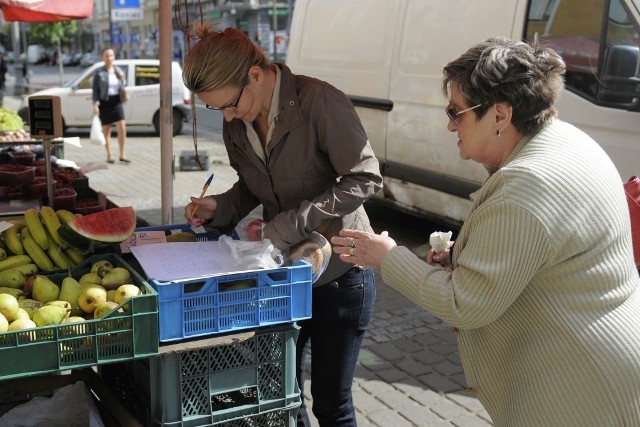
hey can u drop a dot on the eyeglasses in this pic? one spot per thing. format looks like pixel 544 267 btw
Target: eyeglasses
pixel 233 104
pixel 454 115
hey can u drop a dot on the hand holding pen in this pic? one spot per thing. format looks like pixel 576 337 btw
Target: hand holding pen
pixel 202 207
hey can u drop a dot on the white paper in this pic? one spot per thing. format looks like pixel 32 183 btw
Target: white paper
pixel 184 260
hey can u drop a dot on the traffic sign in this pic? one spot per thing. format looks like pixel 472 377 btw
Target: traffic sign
pixel 126 4
pixel 127 14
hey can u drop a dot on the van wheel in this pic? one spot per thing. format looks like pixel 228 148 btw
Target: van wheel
pixel 177 122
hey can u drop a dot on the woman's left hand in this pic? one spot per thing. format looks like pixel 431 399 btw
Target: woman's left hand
pixel 363 248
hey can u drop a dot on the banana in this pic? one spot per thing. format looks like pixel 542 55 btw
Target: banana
pixel 65 216
pixel 57 255
pixel 12 278
pixel 34 250
pixel 74 255
pixel 52 223
pixel 28 269
pixel 11 291
pixel 36 228
pixel 11 238
pixel 14 261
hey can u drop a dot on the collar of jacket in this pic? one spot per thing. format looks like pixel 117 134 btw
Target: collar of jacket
pixel 289 116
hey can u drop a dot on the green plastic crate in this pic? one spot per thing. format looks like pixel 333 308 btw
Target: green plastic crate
pixel 251 379
pixel 123 336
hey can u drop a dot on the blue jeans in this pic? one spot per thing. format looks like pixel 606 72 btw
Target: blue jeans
pixel 341 311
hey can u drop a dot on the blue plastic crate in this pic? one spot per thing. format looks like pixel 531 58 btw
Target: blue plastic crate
pixel 246 381
pixel 222 303
pixel 209 235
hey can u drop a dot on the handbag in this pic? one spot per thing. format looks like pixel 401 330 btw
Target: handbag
pixel 632 189
pixel 124 95
pixel 96 136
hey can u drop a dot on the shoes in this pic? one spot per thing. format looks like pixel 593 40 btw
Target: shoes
pixel 125 160
pixel 110 161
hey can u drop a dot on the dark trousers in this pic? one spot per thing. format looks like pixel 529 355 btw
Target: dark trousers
pixel 341 311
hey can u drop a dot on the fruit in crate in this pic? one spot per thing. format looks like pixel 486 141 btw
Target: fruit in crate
pixel 70 290
pixel 92 231
pixel 4 323
pixel 116 277
pixel 104 309
pixel 101 267
pixel 22 323
pixel 11 126
pixel 22 314
pixel 44 290
pixel 29 305
pixel 50 315
pixel 9 306
pixel 90 279
pixel 91 297
pixel 125 292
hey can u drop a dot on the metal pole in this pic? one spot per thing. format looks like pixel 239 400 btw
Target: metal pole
pixel 275 31
pixel 18 64
pixel 166 113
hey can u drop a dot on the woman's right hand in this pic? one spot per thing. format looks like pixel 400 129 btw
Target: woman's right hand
pixel 439 258
pixel 96 110
pixel 200 210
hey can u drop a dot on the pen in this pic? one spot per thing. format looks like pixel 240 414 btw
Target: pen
pixel 204 190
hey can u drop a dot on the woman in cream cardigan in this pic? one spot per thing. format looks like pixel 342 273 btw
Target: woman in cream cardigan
pixel 541 282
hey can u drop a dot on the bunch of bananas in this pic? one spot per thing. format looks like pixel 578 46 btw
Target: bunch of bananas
pixel 32 245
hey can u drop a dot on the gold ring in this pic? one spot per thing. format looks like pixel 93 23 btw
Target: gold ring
pixel 352 251
pixel 352 244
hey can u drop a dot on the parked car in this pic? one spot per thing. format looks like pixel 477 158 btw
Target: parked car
pixel 143 88
pixel 89 58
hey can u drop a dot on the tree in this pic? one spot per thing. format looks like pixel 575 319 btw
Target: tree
pixel 57 33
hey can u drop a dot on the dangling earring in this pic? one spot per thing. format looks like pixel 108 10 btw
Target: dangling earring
pixel 498 132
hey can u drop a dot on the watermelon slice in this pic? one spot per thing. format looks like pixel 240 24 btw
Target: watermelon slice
pixel 92 231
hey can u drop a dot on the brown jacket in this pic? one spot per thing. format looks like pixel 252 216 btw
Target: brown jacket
pixel 320 169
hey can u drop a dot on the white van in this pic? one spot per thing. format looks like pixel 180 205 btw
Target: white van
pixel 143 88
pixel 388 57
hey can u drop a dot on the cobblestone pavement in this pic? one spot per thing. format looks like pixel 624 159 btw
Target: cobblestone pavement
pixel 408 373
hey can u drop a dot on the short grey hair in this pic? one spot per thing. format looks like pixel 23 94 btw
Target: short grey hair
pixel 530 78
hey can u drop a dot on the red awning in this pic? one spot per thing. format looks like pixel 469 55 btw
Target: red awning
pixel 46 10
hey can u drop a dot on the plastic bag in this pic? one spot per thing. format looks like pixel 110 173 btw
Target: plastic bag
pixel 252 255
pixel 96 136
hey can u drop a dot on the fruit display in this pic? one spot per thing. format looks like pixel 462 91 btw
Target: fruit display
pixel 11 126
pixel 92 231
pixel 39 301
pixel 34 244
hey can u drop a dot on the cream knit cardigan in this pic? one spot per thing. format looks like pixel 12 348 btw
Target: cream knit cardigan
pixel 543 289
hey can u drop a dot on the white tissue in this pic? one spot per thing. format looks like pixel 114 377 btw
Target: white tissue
pixel 439 240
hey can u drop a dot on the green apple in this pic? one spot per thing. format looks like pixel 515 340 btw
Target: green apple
pixel 4 323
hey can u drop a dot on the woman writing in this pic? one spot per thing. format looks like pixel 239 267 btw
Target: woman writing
pixel 108 92
pixel 301 152
pixel 540 283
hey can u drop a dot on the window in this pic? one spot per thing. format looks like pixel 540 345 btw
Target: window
pixel 147 75
pixel 577 31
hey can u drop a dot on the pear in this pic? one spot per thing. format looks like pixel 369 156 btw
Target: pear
pixel 29 305
pixel 111 295
pixel 101 268
pixel 90 278
pixel 50 315
pixel 44 290
pixel 9 306
pixel 91 297
pixel 4 323
pixel 18 324
pixel 64 304
pixel 116 277
pixel 104 309
pixel 125 292
pixel 22 314
pixel 73 319
pixel 70 291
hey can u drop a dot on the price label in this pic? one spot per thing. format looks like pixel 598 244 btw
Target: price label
pixel 140 238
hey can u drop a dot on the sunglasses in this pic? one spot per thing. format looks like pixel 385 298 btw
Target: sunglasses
pixel 233 104
pixel 454 115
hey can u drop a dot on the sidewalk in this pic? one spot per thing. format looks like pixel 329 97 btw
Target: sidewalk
pixel 409 372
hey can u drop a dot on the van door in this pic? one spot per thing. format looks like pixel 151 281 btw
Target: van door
pixel 144 94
